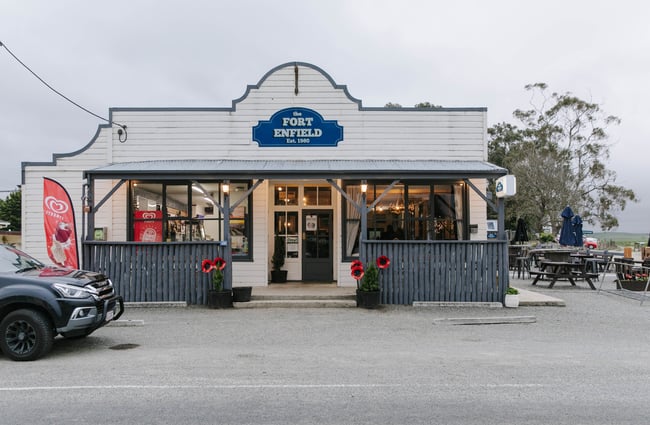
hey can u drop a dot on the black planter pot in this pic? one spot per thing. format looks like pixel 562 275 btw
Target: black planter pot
pixel 278 276
pixel 241 294
pixel 631 285
pixel 368 299
pixel 219 299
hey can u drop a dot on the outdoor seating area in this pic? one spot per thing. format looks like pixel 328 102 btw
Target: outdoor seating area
pixel 573 260
pixel 555 265
pixel 625 273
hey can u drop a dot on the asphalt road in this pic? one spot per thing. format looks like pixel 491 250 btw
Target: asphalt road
pixel 586 363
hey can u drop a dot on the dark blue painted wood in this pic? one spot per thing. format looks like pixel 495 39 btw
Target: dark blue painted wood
pixel 154 271
pixel 464 271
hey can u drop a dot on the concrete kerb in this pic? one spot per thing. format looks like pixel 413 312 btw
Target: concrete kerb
pixel 526 299
pixel 125 323
pixel 130 305
pixel 504 320
pixel 535 299
pixel 156 304
pixel 457 304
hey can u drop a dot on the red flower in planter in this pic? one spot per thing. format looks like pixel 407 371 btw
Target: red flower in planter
pixel 357 272
pixel 356 263
pixel 207 266
pixel 219 263
pixel 383 262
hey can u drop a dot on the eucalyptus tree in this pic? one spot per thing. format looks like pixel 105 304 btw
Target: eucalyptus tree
pixel 559 155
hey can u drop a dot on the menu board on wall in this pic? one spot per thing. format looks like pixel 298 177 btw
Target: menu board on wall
pixel 292 246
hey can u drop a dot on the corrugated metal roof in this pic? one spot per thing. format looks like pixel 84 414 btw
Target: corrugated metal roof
pixel 180 169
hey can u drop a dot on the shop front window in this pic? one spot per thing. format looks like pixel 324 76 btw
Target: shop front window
pixel 286 195
pixel 407 211
pixel 317 196
pixel 188 211
pixel 286 226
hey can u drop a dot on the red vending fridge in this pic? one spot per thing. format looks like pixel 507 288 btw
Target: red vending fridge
pixel 148 226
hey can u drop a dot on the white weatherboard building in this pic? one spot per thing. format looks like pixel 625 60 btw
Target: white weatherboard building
pixel 288 160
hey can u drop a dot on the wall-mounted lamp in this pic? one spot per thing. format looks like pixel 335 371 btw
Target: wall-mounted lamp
pixel 364 186
pixel 226 187
pixel 122 135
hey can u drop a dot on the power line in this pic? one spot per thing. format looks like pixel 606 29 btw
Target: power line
pixel 122 129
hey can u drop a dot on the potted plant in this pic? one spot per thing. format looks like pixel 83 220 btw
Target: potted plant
pixel 632 281
pixel 217 296
pixel 512 298
pixel 368 289
pixel 241 294
pixel 277 274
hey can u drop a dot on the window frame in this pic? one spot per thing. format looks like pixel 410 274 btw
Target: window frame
pixel 166 220
pixel 408 218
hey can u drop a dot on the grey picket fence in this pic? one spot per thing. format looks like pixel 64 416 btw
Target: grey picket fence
pixel 454 271
pixel 441 271
pixel 154 272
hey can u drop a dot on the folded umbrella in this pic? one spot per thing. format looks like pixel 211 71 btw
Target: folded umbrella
pixel 576 223
pixel 521 232
pixel 567 237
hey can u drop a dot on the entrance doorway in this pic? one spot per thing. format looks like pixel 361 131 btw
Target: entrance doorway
pixel 317 262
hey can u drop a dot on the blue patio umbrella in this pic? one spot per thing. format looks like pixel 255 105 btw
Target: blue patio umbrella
pixel 576 223
pixel 567 237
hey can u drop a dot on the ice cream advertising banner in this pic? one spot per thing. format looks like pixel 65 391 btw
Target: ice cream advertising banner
pixel 60 226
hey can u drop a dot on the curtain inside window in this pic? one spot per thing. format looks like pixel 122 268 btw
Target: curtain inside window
pixel 458 210
pixel 353 219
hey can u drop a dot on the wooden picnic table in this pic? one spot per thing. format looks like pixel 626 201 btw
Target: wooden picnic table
pixel 549 254
pixel 563 270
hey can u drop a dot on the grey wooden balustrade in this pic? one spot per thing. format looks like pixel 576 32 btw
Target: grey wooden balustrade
pixel 143 272
pixel 454 271
pixel 445 271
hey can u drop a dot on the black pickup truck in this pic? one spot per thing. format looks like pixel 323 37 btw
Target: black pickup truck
pixel 37 302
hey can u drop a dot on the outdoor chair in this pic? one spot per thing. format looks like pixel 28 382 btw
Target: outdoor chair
pixel 522 263
pixel 600 263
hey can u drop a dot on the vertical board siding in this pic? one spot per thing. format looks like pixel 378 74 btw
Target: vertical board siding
pixel 453 271
pixel 154 272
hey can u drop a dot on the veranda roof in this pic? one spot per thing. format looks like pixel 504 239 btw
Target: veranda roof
pixel 291 169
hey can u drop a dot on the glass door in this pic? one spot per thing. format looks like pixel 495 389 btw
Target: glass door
pixel 317 263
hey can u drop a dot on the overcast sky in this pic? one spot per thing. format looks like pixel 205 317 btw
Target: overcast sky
pixel 132 53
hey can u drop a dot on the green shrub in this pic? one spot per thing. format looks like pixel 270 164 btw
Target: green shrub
pixel 370 280
pixel 546 237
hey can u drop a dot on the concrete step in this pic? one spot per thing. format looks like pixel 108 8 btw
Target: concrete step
pixel 297 302
pixel 301 295
pixel 290 296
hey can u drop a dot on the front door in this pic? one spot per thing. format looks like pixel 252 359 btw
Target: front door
pixel 317 250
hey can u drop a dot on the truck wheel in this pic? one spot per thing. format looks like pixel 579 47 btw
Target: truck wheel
pixel 26 335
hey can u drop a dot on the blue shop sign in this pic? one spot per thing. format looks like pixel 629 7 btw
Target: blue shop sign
pixel 297 127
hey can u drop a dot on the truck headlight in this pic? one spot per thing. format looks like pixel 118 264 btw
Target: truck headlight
pixel 69 291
